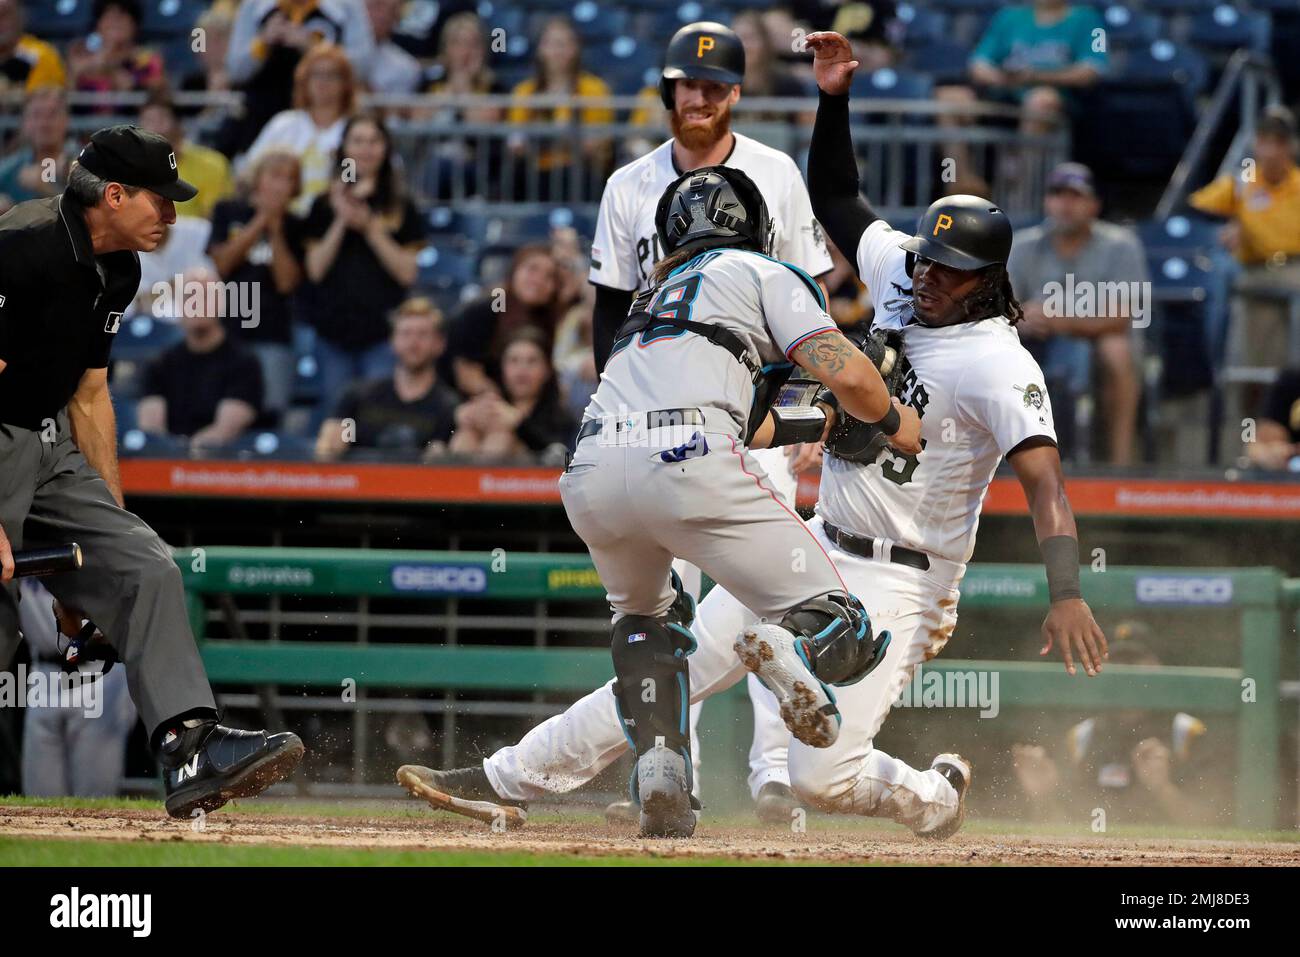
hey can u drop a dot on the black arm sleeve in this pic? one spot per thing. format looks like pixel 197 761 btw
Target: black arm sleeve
pixel 609 312
pixel 833 177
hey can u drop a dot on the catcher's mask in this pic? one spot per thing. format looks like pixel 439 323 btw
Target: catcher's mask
pixel 701 51
pixel 713 206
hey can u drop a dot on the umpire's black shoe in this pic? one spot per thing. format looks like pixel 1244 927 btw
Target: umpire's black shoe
pixel 208 765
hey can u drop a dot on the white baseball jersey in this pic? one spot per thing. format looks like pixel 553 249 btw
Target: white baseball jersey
pixel 626 246
pixel 771 305
pixel 979 393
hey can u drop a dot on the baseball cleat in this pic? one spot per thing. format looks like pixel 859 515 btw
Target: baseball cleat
pixel 664 788
pixel 775 803
pixel 807 705
pixel 959 773
pixel 464 791
pixel 209 764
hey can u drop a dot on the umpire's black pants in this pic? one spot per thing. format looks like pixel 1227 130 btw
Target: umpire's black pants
pixel 129 584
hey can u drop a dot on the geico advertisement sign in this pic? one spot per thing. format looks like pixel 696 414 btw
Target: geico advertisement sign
pixel 458 579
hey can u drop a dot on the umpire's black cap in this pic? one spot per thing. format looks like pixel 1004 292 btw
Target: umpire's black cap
pixel 964 232
pixel 702 51
pixel 135 157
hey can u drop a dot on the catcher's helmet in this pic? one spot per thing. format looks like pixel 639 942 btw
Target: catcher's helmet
pixel 702 51
pixel 713 206
pixel 964 232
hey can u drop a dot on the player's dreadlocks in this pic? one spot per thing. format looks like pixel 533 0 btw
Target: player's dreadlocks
pixel 993 297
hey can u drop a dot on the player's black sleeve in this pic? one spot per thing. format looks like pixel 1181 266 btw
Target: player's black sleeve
pixel 610 311
pixel 833 177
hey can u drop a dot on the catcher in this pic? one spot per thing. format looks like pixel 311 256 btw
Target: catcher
pixel 898 527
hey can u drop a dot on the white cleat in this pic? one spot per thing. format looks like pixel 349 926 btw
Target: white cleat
pixel 663 786
pixel 959 773
pixel 807 705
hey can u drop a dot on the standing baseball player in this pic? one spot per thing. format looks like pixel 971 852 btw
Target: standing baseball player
pixel 704 66
pixel 899 528
pixel 68 269
pixel 662 470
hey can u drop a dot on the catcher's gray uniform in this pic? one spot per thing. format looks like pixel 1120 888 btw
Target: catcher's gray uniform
pixel 641 496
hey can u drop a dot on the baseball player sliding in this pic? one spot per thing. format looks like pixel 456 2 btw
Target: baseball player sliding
pixel 662 470
pixel 899 528
pixel 703 68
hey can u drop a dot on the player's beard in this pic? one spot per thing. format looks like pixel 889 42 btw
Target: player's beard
pixel 699 138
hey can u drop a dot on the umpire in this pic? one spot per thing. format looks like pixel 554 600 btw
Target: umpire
pixel 68 269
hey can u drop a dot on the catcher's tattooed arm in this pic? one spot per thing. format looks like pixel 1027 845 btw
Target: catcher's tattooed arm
pixel 836 363
pixel 1069 624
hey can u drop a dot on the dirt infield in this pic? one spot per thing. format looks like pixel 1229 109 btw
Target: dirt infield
pixel 555 833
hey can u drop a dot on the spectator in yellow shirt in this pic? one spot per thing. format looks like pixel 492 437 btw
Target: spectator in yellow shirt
pixel 548 162
pixel 25 62
pixel 205 168
pixel 1262 204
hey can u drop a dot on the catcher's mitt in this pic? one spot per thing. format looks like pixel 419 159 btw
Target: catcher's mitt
pixel 852 439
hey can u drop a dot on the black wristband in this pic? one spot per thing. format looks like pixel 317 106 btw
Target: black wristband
pixel 1061 556
pixel 891 421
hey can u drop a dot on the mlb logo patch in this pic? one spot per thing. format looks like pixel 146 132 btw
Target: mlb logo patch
pixel 639 636
pixel 676 295
pixel 114 322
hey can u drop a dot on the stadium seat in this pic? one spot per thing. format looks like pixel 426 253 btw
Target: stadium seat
pixel 597 22
pixel 1179 6
pixel 465 224
pixel 1134 129
pixel 921 25
pixel 1178 233
pixel 167 19
pixel 265 444
pixel 443 267
pixel 1165 62
pixel 967 6
pixel 539 225
pixel 944 61
pixel 144 337
pixel 179 58
pixel 1226 28
pixel 58 19
pixel 888 83
pixel 1127 27
pixel 138 444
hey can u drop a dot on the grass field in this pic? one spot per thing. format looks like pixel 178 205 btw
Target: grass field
pixel 129 832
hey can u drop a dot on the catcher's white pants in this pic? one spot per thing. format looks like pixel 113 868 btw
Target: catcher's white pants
pixel 767 752
pixel 851 776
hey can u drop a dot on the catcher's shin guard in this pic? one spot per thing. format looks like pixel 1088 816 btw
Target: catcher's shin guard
pixel 652 682
pixel 833 634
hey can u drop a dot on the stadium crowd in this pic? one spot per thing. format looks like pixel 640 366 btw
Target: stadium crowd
pixel 367 334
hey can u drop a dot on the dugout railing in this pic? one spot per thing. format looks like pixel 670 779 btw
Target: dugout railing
pixel 216 580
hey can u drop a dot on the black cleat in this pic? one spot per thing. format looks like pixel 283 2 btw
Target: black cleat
pixel 775 803
pixel 208 765
pixel 464 791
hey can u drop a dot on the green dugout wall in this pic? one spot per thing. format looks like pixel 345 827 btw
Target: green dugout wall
pixel 1258 599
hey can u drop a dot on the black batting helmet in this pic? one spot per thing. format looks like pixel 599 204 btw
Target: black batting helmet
pixel 964 232
pixel 702 51
pixel 713 206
